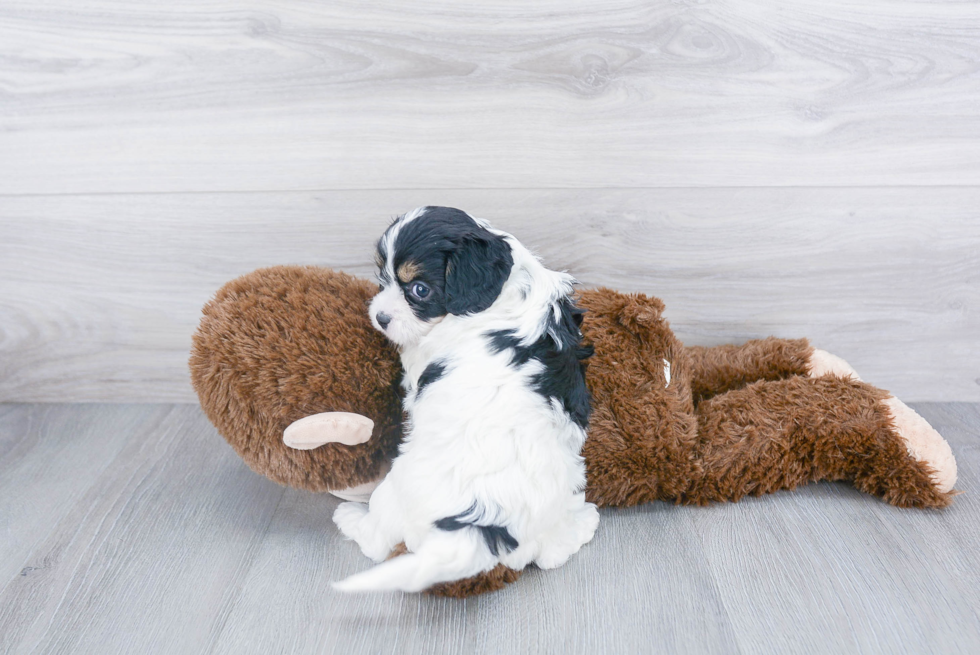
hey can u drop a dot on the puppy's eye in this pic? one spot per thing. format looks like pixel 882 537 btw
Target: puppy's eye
pixel 419 290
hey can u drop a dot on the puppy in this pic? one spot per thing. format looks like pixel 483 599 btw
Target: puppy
pixel 490 469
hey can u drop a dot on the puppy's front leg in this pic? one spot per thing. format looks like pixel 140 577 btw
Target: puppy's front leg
pixel 374 529
pixel 357 523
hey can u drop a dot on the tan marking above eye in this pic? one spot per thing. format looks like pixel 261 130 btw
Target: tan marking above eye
pixel 408 271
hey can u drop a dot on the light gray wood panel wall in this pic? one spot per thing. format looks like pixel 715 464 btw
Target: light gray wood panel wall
pixel 273 95
pixel 171 545
pixel 99 295
pixel 795 168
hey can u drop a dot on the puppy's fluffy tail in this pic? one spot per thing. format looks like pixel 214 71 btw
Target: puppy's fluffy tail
pixel 442 557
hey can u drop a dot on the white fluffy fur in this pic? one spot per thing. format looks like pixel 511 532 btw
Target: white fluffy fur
pixel 479 434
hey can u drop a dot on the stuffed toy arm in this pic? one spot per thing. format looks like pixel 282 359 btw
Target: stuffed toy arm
pixel 719 369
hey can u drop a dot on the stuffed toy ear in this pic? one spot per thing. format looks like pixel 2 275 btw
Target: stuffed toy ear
pixel 475 273
pixel 328 427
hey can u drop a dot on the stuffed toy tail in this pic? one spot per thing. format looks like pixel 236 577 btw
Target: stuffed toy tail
pixel 442 557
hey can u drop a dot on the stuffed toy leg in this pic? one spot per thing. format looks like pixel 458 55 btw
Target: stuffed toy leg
pixel 819 423
pixel 735 420
pixel 291 350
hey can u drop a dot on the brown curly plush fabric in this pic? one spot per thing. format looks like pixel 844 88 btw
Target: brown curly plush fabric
pixel 724 368
pixel 734 420
pixel 642 437
pixel 282 343
pixel 773 435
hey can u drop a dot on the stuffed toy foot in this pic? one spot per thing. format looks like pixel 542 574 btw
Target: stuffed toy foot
pixel 921 440
pixel 775 435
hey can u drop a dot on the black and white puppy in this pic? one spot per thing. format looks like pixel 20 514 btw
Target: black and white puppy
pixel 490 469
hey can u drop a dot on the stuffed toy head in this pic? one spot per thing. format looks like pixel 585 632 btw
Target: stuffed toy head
pixel 284 343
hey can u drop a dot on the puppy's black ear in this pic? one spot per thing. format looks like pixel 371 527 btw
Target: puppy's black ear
pixel 475 273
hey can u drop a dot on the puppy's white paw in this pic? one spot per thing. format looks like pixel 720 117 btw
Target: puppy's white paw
pixel 357 523
pixel 924 443
pixel 568 539
pixel 824 363
pixel 348 517
pixel 585 524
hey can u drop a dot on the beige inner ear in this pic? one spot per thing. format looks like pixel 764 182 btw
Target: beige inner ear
pixel 329 427
pixel 408 271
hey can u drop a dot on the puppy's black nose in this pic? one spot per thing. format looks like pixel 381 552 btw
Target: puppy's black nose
pixel 383 320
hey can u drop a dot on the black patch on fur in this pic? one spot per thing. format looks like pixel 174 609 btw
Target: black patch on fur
pixel 496 536
pixel 432 372
pixel 463 264
pixel 563 377
pixel 476 272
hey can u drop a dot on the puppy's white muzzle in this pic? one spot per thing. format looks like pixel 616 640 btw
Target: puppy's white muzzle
pixel 403 327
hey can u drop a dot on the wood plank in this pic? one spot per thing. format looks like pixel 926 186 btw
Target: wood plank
pixel 850 573
pixel 817 559
pixel 272 95
pixel 953 548
pixel 99 295
pixel 177 547
pixel 621 594
pixel 147 559
pixel 49 457
pixel 618 580
pixel 289 587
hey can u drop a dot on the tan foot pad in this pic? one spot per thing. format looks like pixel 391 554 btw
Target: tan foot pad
pixel 924 443
pixel 329 427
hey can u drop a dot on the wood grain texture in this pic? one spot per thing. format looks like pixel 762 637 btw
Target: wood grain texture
pixel 285 95
pixel 147 558
pixel 99 295
pixel 49 457
pixel 170 544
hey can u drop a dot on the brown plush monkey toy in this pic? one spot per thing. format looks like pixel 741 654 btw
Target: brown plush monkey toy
pixel 292 350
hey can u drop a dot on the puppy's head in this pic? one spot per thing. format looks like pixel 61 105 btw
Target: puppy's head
pixel 432 262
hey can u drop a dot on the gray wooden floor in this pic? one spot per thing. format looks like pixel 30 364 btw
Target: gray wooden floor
pixel 136 529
